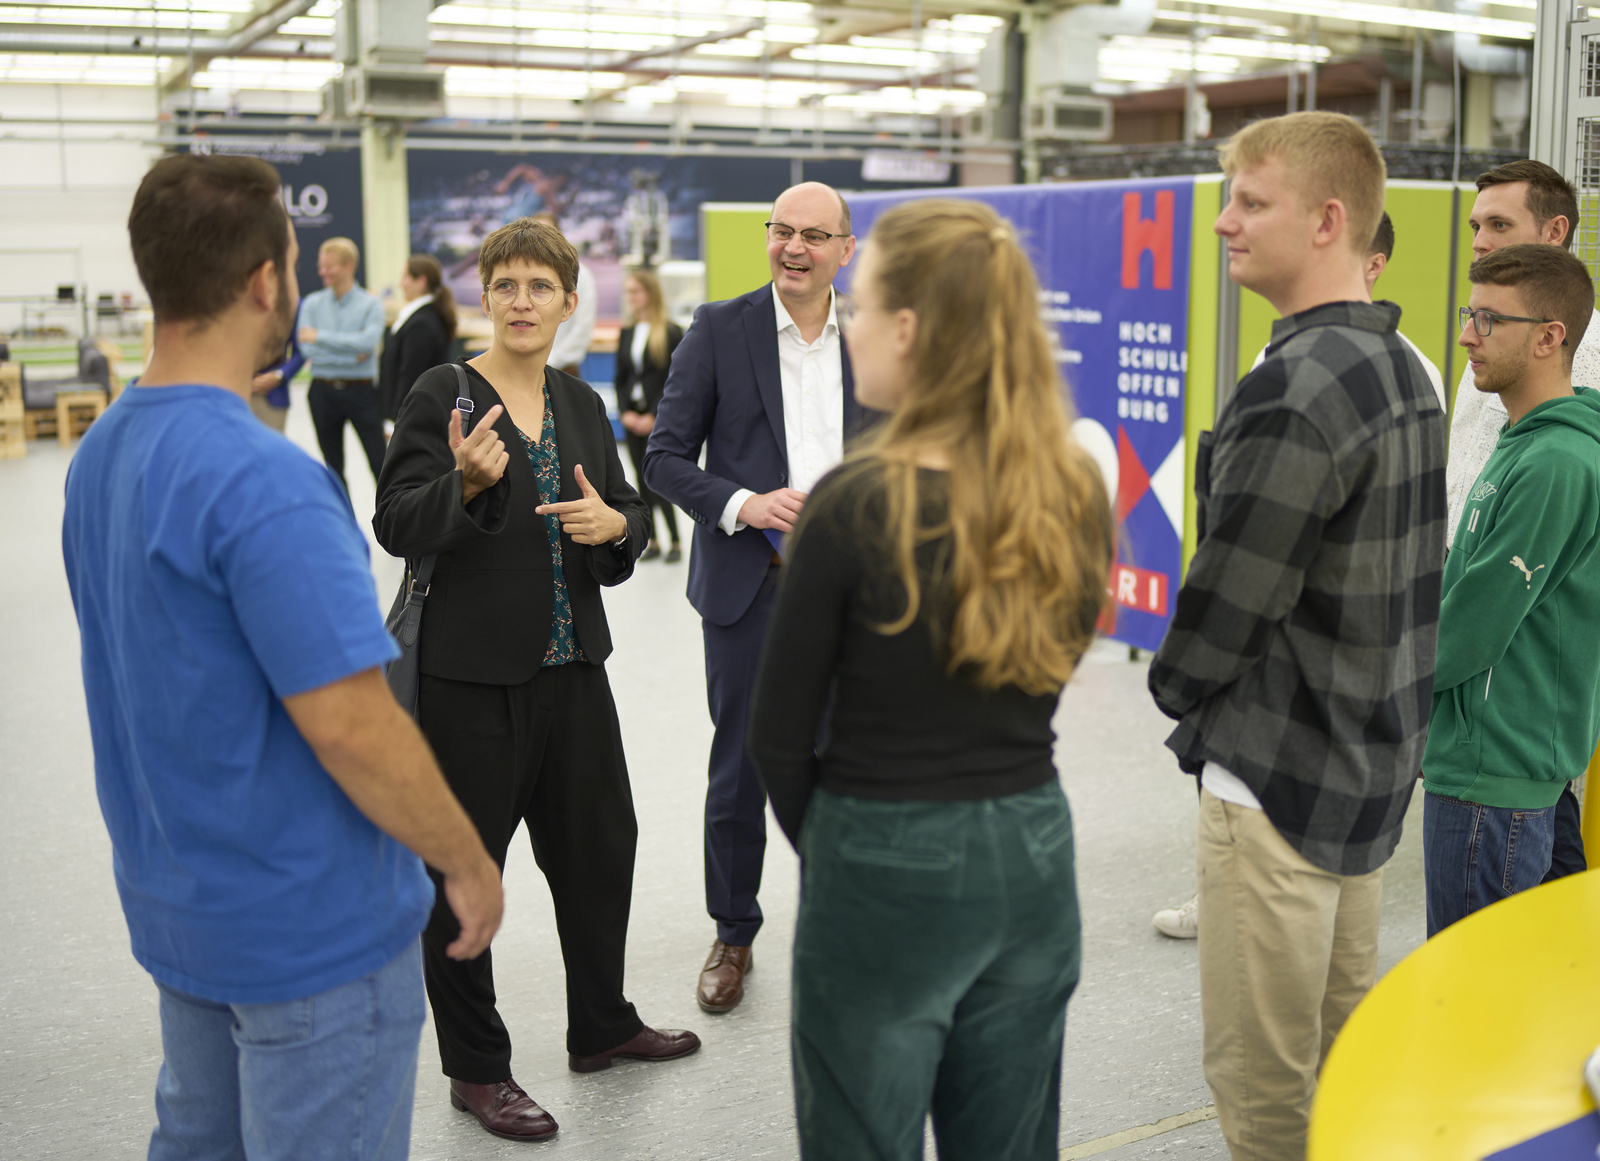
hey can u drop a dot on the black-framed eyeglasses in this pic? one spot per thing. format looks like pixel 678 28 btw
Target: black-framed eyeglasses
pixel 1483 321
pixel 505 292
pixel 815 239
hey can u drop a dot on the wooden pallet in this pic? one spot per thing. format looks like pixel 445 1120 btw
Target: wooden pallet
pixel 38 424
pixel 75 411
pixel 13 442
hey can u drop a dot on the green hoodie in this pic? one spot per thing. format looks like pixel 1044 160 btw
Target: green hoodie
pixel 1516 702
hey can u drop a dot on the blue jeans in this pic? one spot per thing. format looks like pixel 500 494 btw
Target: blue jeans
pixel 329 1076
pixel 1477 855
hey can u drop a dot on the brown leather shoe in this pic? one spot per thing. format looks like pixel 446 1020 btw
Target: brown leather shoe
pixel 722 979
pixel 650 1044
pixel 504 1109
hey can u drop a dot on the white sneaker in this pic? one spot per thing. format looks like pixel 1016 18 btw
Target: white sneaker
pixel 1179 922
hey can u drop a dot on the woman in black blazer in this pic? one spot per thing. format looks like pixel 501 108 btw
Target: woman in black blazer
pixel 644 351
pixel 421 334
pixel 529 515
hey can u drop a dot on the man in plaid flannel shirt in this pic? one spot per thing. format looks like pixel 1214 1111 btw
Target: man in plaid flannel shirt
pixel 1299 663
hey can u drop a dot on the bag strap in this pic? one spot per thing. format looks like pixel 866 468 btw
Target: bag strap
pixel 464 386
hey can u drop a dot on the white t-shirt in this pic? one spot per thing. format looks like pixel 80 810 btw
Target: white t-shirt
pixel 1228 786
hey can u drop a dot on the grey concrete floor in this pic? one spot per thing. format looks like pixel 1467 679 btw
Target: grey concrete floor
pixel 79 1041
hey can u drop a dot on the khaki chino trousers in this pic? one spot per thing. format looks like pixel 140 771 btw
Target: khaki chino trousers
pixel 1287 950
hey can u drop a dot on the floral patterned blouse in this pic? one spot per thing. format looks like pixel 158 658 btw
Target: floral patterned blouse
pixel 546 459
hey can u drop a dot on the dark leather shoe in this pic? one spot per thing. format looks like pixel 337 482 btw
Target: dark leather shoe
pixel 650 1044
pixel 722 979
pixel 674 554
pixel 504 1109
pixel 651 551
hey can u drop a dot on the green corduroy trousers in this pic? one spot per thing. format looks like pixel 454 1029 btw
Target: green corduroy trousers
pixel 936 948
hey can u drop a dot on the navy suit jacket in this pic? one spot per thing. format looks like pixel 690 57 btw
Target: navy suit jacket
pixel 724 392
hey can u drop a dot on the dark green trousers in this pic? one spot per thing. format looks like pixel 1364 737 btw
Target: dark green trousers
pixel 936 948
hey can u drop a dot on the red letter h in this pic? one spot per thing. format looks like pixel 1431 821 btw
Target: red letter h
pixel 1141 234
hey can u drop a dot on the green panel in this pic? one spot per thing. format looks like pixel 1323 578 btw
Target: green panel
pixel 1418 276
pixel 1200 383
pixel 1255 327
pixel 733 244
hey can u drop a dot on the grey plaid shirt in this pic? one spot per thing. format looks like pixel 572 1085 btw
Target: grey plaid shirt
pixel 1301 651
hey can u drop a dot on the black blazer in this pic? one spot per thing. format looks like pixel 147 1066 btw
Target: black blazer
pixel 489 607
pixel 652 379
pixel 420 343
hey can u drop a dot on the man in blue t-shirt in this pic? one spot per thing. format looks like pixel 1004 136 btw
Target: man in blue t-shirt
pixel 267 799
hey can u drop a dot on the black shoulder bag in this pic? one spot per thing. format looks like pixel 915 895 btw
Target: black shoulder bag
pixel 404 621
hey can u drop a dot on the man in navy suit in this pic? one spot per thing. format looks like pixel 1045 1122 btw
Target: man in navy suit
pixel 762 382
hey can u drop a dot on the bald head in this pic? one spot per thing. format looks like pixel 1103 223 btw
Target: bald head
pixel 808 240
pixel 814 198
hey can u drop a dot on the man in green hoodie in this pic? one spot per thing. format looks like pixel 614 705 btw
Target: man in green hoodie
pixel 1516 704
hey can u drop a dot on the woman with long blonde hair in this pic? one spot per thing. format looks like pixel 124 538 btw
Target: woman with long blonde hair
pixel 941 587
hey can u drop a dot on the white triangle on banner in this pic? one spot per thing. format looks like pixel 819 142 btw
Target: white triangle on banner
pixel 1169 483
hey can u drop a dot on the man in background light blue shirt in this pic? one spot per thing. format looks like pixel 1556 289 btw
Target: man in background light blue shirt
pixel 340 326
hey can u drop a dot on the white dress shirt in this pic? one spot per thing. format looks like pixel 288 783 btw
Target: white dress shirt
pixel 812 378
pixel 408 310
pixel 1480 416
pixel 574 335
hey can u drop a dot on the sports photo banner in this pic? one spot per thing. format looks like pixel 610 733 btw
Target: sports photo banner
pixel 1113 264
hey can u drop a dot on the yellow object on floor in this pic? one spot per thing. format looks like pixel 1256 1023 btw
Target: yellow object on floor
pixel 1475 1041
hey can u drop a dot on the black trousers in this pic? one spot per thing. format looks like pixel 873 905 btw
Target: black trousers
pixel 736 804
pixel 356 403
pixel 1567 857
pixel 636 445
pixel 548 753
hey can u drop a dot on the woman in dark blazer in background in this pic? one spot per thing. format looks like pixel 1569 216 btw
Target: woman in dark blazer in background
pixel 529 515
pixel 644 351
pixel 421 334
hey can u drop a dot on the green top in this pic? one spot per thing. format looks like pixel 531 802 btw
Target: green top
pixel 1516 703
pixel 546 457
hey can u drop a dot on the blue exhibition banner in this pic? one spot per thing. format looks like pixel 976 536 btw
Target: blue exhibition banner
pixel 321 190
pixel 1113 264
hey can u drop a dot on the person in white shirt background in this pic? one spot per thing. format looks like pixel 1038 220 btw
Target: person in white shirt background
pixel 574 336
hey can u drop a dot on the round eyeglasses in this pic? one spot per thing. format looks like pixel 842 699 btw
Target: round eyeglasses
pixel 505 292
pixel 1483 321
pixel 814 239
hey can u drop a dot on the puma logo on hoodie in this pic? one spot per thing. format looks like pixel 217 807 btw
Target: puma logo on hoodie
pixel 1526 571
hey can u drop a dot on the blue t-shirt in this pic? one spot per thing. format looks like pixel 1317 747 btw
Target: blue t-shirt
pixel 216 569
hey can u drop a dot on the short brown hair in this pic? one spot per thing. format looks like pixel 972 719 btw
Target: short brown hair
pixel 531 240
pixel 1550 195
pixel 1332 156
pixel 1555 284
pixel 200 224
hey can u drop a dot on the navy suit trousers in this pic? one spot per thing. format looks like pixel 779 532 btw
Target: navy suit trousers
pixel 736 805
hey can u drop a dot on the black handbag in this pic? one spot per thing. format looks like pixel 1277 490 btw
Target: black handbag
pixel 404 621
